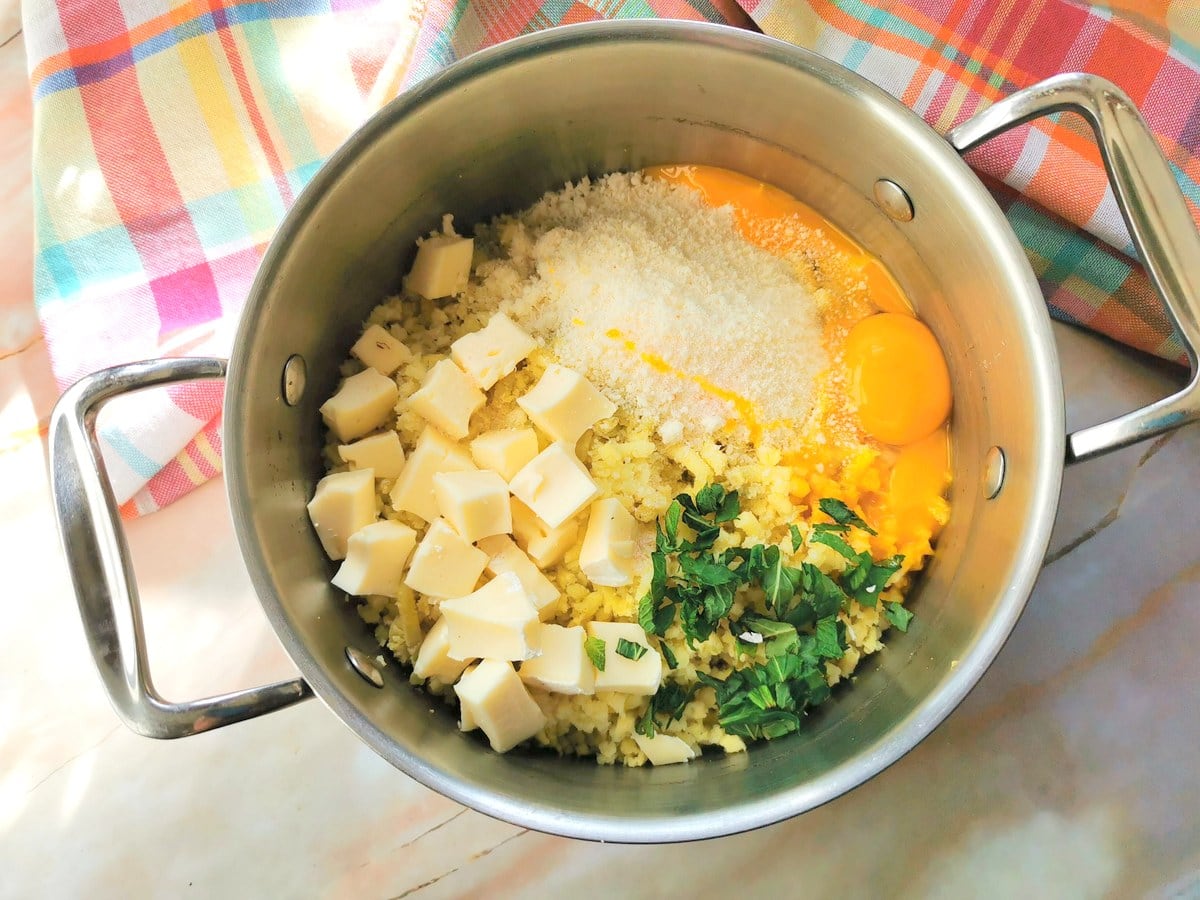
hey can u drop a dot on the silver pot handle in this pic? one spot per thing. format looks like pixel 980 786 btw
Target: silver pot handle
pixel 98 560
pixel 1155 212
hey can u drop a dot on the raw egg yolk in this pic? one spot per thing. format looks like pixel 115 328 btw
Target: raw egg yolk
pixel 898 377
pixel 920 474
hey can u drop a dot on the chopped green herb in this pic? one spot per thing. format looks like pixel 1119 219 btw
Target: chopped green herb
pixel 707 571
pixel 766 701
pixel 653 615
pixel 768 628
pixel 843 514
pixel 836 541
pixel 829 641
pixel 594 647
pixel 779 582
pixel 668 654
pixel 731 506
pixel 630 649
pixel 701 592
pixel 712 500
pixel 874 579
pixel 668 537
pixel 897 615
pixel 830 526
pixel 820 596
pixel 670 700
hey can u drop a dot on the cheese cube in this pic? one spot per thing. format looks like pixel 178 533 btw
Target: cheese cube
pixel 492 352
pixel 505 451
pixel 379 350
pixel 545 545
pixel 664 749
pixel 375 559
pixel 434 453
pixel 342 504
pixel 492 697
pixel 564 404
pixel 563 665
pixel 505 556
pixel 475 503
pixel 606 556
pixel 495 622
pixel 433 659
pixel 448 399
pixel 465 720
pixel 361 404
pixel 444 565
pixel 554 484
pixel 381 452
pixel 442 267
pixel 641 676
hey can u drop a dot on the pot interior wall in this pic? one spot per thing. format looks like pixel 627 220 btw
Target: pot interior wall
pixel 493 135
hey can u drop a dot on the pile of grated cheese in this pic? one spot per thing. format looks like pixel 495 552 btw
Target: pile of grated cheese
pixel 663 303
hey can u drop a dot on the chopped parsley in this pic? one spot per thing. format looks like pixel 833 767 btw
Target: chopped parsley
pixel 797 537
pixel 668 654
pixel 897 615
pixel 799 633
pixel 594 648
pixel 629 650
pixel 766 700
pixel 670 700
pixel 843 514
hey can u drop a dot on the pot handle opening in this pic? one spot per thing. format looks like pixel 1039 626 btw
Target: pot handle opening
pixel 98 560
pixel 1155 212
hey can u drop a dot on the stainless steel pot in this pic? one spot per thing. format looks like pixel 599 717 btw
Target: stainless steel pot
pixel 491 134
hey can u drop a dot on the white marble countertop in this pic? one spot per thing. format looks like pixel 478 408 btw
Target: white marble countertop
pixel 1072 769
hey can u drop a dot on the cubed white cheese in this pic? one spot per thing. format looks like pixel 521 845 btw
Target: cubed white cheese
pixel 495 622
pixel 475 503
pixel 629 676
pixel 664 749
pixel 444 565
pixel 342 504
pixel 554 484
pixel 434 453
pixel 361 404
pixel 381 452
pixel 492 352
pixel 606 556
pixel 492 697
pixel 448 399
pixel 379 350
pixel 505 451
pixel 564 404
pixel 561 665
pixel 375 559
pixel 433 659
pixel 442 267
pixel 545 545
pixel 505 556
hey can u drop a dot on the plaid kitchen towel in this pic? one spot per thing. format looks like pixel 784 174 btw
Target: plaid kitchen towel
pixel 170 138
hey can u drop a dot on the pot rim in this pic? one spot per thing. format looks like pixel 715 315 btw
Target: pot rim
pixel 905 734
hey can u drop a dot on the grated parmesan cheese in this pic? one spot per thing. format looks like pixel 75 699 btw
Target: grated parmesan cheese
pixel 665 306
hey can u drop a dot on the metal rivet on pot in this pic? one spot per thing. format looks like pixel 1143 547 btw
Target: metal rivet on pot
pixel 295 374
pixel 892 199
pixel 993 472
pixel 364 666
